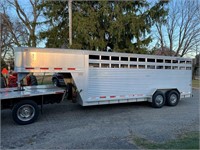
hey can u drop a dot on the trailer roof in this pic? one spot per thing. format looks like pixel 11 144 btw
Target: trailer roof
pixel 91 52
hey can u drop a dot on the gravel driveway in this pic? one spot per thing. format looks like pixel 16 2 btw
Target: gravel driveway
pixel 72 126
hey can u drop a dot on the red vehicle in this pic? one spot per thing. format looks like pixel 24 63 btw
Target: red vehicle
pixel 31 79
pixel 12 80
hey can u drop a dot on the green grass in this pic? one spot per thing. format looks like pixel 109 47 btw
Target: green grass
pixel 195 83
pixel 186 141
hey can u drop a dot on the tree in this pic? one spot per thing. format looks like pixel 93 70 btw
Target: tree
pixel 3 64
pixel 97 25
pixel 181 31
pixel 6 39
pixel 13 34
pixel 19 30
pixel 30 22
pixel 195 65
pixel 56 13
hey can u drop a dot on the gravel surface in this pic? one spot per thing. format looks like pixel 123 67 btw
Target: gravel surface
pixel 72 126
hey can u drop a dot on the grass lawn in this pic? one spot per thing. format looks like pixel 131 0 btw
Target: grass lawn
pixel 186 141
pixel 195 83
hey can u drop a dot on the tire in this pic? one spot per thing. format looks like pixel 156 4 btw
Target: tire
pixel 33 80
pixel 172 98
pixel 3 82
pixel 25 112
pixel 158 100
pixel 55 82
pixel 70 91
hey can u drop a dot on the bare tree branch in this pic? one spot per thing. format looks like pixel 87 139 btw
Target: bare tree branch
pixel 183 27
pixel 20 30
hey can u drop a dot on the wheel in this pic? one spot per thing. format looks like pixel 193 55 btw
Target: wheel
pixel 158 99
pixel 25 112
pixel 70 91
pixel 173 98
pixel 55 82
pixel 33 80
pixel 3 82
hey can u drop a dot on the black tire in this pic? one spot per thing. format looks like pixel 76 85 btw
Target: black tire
pixel 172 98
pixel 25 112
pixel 158 99
pixel 70 91
pixel 55 82
pixel 33 80
pixel 3 84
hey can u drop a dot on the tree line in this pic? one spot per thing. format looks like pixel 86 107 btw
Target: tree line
pixel 121 26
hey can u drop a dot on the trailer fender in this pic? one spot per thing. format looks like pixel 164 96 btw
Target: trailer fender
pixel 150 95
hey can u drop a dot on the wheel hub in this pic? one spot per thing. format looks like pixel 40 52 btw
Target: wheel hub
pixel 173 98
pixel 26 112
pixel 159 100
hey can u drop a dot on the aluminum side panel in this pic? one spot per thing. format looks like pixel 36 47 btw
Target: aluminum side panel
pixel 136 81
pixel 48 62
pixel 81 81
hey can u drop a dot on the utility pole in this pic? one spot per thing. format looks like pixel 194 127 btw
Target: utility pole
pixel 70 21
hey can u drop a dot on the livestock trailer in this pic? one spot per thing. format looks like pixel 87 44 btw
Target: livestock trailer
pixel 110 77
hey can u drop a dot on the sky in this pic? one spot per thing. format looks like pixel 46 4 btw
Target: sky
pixel 27 7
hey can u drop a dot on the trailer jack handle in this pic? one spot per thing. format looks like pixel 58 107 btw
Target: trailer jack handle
pixel 20 81
pixel 20 86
